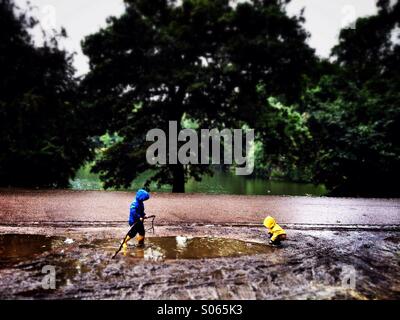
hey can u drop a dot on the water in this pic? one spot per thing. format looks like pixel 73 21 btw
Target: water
pixel 15 248
pixel 162 248
pixel 72 269
pixel 20 247
pixel 219 183
pixel 27 248
pixel 228 183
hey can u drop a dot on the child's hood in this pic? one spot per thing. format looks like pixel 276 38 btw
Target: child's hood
pixel 269 222
pixel 142 195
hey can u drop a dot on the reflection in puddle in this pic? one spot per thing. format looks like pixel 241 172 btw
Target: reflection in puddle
pixel 160 248
pixel 19 247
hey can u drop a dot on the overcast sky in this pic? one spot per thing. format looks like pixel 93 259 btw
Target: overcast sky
pixel 324 19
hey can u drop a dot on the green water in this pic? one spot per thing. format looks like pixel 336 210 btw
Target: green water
pixel 219 183
pixel 228 183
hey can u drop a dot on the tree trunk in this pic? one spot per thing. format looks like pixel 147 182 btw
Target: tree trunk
pixel 178 173
pixel 178 184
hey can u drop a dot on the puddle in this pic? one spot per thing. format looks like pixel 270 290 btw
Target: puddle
pixel 161 248
pixel 91 260
pixel 15 248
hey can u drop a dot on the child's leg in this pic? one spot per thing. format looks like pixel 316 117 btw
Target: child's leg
pixel 141 233
pixel 132 233
pixel 278 239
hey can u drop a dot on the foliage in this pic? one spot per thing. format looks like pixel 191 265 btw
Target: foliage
pixel 282 132
pixel 163 60
pixel 205 64
pixel 42 140
pixel 355 113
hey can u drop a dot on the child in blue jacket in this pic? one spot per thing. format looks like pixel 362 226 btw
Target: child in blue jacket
pixel 136 218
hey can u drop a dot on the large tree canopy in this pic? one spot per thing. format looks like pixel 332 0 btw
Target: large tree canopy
pixel 42 140
pixel 196 59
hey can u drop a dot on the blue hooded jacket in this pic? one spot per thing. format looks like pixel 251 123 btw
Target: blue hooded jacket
pixel 137 207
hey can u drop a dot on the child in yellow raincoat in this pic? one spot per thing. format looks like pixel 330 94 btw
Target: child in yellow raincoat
pixel 275 232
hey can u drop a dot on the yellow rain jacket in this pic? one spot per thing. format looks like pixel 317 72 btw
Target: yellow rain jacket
pixel 273 228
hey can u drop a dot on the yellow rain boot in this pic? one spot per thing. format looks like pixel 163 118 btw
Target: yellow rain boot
pixel 140 240
pixel 125 245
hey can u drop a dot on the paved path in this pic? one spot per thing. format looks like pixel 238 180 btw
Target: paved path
pixel 19 206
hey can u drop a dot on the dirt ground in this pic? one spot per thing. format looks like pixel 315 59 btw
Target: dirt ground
pixel 310 265
pixel 336 248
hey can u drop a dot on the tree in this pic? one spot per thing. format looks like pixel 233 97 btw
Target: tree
pixel 354 114
pixel 42 140
pixel 200 60
pixel 282 132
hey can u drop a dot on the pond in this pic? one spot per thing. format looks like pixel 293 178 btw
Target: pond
pixel 228 183
pixel 219 183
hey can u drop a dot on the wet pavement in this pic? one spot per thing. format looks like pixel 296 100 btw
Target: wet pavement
pixel 33 206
